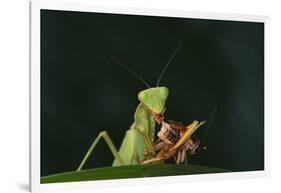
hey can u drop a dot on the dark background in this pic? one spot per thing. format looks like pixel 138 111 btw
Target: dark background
pixel 84 92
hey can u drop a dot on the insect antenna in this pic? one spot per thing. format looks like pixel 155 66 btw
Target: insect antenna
pixel 210 122
pixel 169 61
pixel 130 70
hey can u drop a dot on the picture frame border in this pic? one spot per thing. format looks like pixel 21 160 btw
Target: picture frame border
pixel 34 95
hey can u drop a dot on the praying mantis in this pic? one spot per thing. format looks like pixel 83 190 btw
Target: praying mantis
pixel 139 138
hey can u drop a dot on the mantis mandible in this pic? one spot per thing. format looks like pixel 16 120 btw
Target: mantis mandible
pixel 140 137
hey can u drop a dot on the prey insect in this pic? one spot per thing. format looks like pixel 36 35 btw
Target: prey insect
pixel 140 137
pixel 175 140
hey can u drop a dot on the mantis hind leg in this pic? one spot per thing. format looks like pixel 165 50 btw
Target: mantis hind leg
pixel 110 144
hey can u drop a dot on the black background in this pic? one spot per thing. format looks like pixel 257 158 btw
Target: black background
pixel 84 92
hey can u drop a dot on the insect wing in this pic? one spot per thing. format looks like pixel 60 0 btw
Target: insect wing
pixel 190 130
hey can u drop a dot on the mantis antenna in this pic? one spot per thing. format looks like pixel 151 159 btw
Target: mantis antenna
pixel 130 70
pixel 169 61
pixel 210 122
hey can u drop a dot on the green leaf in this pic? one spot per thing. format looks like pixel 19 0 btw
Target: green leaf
pixel 132 171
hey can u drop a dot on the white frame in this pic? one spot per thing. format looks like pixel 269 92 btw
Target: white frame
pixel 35 7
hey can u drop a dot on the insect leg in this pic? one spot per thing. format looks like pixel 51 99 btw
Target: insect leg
pixel 178 157
pixel 148 143
pixel 159 145
pixel 175 158
pixel 110 144
pixel 183 155
pixel 185 160
pixel 153 160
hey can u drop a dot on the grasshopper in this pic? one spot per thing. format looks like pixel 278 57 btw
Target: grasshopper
pixel 175 140
pixel 140 137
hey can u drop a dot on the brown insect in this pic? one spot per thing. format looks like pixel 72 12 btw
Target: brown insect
pixel 175 140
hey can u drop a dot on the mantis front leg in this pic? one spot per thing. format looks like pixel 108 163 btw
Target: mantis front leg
pixel 147 141
pixel 110 144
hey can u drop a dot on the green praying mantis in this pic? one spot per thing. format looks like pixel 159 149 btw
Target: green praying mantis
pixel 139 139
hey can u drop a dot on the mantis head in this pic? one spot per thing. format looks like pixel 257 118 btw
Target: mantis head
pixel 154 98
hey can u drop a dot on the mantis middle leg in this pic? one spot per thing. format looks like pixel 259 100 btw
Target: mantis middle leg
pixel 110 144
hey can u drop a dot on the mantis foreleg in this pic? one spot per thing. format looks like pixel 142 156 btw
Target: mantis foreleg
pixel 148 143
pixel 110 144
